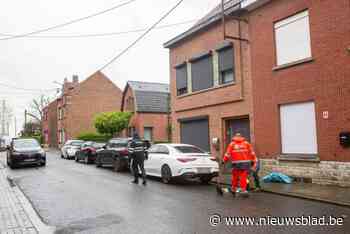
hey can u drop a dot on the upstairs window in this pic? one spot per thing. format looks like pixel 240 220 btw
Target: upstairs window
pixel 292 37
pixel 202 72
pixel 226 65
pixel 181 79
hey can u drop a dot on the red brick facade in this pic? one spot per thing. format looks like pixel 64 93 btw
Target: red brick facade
pixel 140 120
pixel 80 103
pixel 220 103
pixel 324 80
pixel 50 125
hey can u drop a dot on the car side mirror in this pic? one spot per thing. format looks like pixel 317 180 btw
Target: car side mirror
pixel 8 147
pixel 104 147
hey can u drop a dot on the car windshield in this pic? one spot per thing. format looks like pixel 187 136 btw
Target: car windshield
pixel 77 143
pixel 118 143
pixel 185 149
pixel 27 143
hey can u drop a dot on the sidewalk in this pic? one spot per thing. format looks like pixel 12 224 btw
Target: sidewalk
pixel 13 218
pixel 16 213
pixel 324 193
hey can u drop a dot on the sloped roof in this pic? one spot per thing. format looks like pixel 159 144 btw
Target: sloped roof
pixel 213 16
pixel 150 97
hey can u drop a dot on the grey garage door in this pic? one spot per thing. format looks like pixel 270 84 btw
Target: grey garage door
pixel 196 132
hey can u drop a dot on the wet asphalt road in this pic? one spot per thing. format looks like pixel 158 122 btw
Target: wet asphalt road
pixel 79 198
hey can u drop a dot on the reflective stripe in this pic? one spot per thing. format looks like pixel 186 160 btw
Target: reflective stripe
pixel 241 161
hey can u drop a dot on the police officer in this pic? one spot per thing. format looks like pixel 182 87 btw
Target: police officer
pixel 138 155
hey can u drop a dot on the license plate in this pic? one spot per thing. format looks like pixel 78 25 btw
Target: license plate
pixel 203 170
pixel 29 160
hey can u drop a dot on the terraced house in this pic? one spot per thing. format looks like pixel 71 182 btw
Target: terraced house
pixel 149 103
pixel 276 71
pixel 81 101
pixel 210 83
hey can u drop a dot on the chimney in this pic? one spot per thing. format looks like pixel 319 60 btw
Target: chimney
pixel 75 79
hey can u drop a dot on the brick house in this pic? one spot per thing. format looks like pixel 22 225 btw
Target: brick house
pixel 149 103
pixel 80 102
pixel 300 53
pixel 49 124
pixel 295 84
pixel 210 83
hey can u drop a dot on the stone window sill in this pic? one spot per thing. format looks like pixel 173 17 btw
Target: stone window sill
pixel 206 90
pixel 299 158
pixel 292 64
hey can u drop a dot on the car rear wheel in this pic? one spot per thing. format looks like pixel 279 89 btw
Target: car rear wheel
pixel 118 165
pixel 86 159
pixel 166 174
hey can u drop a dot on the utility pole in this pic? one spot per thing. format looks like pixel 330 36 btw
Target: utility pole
pixel 15 127
pixel 3 110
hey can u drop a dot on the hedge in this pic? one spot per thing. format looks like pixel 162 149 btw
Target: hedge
pixel 92 136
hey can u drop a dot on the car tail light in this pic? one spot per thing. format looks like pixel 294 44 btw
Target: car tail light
pixel 185 160
pixel 125 152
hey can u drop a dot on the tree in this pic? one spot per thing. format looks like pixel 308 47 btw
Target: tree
pixel 36 108
pixel 112 122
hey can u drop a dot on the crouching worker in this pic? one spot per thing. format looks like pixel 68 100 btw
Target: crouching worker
pixel 241 155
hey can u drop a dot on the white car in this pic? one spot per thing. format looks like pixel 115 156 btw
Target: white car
pixel 69 149
pixel 169 161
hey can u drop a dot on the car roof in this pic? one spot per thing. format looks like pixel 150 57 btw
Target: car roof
pixel 175 144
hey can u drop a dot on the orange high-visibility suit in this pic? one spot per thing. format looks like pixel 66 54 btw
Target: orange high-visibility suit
pixel 243 158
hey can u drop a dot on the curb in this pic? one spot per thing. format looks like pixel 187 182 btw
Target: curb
pixel 297 195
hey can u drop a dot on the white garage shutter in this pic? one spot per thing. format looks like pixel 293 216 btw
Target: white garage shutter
pixel 298 128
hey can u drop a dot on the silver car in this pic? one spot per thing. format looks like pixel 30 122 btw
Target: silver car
pixel 69 149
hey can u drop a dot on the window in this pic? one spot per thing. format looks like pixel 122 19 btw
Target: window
pixel 293 38
pixel 226 65
pixel 148 133
pixel 298 128
pixel 60 113
pixel 202 73
pixel 181 79
pixel 163 149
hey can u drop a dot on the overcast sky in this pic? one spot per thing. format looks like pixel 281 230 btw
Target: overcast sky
pixel 35 63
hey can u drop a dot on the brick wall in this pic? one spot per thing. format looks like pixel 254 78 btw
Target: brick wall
pixel 94 95
pixel 325 80
pixel 219 103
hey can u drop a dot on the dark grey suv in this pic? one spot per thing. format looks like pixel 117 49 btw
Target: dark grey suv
pixel 25 151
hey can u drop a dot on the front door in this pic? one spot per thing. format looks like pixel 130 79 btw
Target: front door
pixel 234 126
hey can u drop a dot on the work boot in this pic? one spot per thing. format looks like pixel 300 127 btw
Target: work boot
pixel 144 182
pixel 244 194
pixel 135 182
pixel 233 192
pixel 219 190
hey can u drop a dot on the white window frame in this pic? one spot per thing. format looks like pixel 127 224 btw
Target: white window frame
pixel 292 40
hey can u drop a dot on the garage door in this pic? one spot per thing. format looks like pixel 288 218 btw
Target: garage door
pixel 195 132
pixel 298 128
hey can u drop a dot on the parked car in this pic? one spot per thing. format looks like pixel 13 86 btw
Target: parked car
pixel 115 154
pixel 69 149
pixel 25 152
pixel 169 161
pixel 88 151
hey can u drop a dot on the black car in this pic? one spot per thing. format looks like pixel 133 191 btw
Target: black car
pixel 115 154
pixel 88 151
pixel 25 152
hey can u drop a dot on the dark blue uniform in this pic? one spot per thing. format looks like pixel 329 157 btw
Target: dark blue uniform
pixel 137 152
